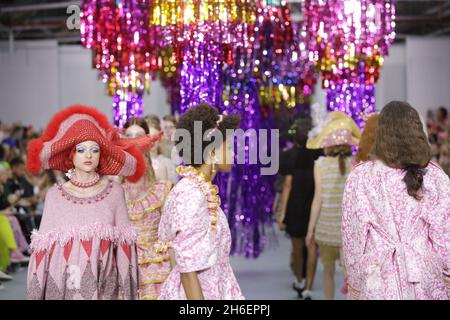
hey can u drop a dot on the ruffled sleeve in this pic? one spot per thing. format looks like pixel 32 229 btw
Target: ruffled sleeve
pixel 186 223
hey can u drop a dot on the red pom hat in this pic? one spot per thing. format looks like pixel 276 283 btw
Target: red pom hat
pixel 75 125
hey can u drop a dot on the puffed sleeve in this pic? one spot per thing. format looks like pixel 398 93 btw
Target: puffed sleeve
pixel 126 252
pixel 186 223
pixel 353 235
pixel 439 220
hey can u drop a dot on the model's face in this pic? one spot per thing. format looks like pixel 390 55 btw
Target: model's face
pixel 87 156
pixel 168 128
pixel 134 131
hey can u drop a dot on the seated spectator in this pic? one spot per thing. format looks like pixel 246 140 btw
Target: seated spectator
pixel 26 202
pixel 3 156
pixel 8 247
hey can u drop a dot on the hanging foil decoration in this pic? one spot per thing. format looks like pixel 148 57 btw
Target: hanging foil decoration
pixel 201 73
pixel 347 41
pixel 247 195
pixel 125 50
pixel 259 81
pixel 170 77
pixel 202 35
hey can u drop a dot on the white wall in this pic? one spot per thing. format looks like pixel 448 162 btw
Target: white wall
pixel 29 82
pixel 428 73
pixel 40 77
pixel 392 82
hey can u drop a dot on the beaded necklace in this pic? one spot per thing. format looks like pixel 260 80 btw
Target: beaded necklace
pixel 86 200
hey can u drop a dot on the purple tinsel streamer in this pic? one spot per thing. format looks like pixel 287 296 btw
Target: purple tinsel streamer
pixel 201 79
pixel 247 196
pixel 354 99
pixel 126 105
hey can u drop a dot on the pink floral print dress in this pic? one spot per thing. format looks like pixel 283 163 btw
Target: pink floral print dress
pixel 396 247
pixel 197 230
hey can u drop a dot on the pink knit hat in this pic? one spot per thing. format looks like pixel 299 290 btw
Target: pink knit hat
pixel 77 124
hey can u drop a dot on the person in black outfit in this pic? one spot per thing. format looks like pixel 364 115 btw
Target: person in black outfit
pixel 297 166
pixel 26 205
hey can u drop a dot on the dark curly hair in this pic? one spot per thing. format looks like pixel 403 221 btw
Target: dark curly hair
pixel 401 143
pixel 208 116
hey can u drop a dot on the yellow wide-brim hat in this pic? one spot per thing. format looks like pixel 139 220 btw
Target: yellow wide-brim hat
pixel 339 130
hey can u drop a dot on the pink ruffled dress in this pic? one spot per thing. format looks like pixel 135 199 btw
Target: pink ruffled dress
pixel 145 214
pixel 195 227
pixel 396 247
pixel 85 248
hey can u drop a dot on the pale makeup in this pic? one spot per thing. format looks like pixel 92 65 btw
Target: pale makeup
pixel 86 157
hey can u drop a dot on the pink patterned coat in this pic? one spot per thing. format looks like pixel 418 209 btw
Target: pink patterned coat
pixel 85 248
pixel 396 247
pixel 186 223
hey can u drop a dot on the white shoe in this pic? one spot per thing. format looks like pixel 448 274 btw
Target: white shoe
pixel 5 277
pixel 306 295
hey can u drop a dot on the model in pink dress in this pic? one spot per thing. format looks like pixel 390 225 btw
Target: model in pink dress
pixel 145 213
pixel 396 247
pixel 145 199
pixel 198 232
pixel 85 247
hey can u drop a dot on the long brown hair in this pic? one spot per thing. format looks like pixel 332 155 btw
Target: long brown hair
pixel 342 151
pixel 367 139
pixel 401 143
